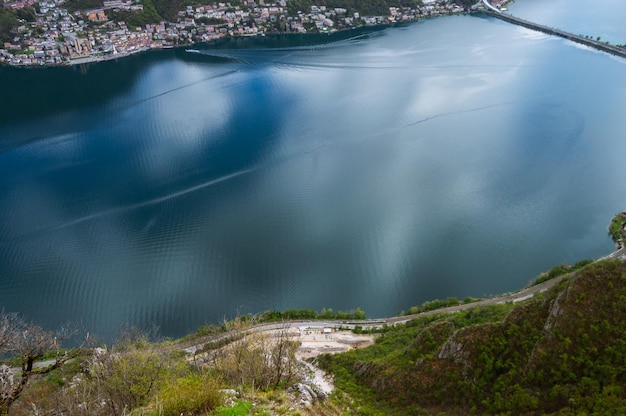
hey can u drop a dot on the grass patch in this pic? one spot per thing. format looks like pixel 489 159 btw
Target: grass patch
pixel 616 229
pixel 241 408
pixel 559 270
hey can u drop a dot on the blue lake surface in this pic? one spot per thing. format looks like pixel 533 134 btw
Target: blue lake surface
pixel 603 18
pixel 459 156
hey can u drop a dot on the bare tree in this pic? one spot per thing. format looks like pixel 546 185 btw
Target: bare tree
pixel 7 323
pixel 284 364
pixel 128 379
pixel 110 382
pixel 28 342
pixel 258 359
pixel 79 397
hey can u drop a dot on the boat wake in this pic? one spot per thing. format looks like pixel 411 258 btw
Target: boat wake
pixel 258 55
pixel 127 208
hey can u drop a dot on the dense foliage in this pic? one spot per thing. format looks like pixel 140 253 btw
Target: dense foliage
pixel 8 20
pixel 560 353
pixel 73 5
pixel 432 305
pixel 466 3
pixel 149 14
pixel 617 229
pixel 168 9
pixel 365 7
pixel 560 270
pixel 326 313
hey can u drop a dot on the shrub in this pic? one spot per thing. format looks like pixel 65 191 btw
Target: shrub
pixel 190 395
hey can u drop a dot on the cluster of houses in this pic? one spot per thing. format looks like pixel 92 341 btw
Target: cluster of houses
pixel 20 4
pixel 58 37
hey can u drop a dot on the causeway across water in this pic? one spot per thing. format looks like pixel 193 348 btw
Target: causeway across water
pixel 596 44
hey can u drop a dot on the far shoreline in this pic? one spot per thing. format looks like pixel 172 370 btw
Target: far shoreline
pixel 95 59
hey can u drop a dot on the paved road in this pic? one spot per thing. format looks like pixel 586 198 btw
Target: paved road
pixel 524 294
pixel 618 254
pixel 38 364
pixel 194 345
pixel 596 44
pixel 491 7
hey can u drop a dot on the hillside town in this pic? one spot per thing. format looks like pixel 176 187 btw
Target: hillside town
pixel 55 36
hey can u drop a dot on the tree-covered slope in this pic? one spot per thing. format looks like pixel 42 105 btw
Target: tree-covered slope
pixel 8 20
pixel 560 353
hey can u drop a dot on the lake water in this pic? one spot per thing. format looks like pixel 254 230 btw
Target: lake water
pixel 459 156
pixel 603 18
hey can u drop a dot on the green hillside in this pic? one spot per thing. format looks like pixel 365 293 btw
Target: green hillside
pixel 560 353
